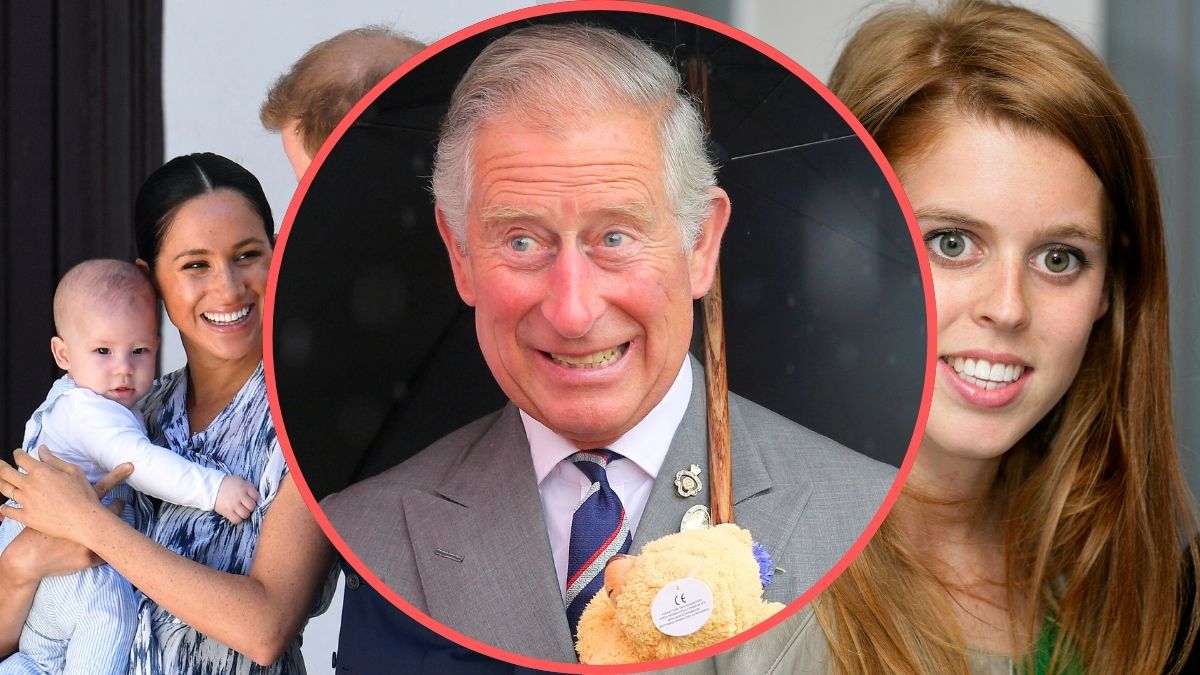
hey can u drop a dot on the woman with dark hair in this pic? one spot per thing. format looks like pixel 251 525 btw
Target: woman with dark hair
pixel 218 597
pixel 1043 525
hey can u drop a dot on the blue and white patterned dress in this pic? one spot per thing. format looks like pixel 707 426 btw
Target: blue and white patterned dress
pixel 240 441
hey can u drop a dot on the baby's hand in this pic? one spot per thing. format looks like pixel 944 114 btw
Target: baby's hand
pixel 236 499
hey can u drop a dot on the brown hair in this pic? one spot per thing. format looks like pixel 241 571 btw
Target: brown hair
pixel 1095 499
pixel 330 78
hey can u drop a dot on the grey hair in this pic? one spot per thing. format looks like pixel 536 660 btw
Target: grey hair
pixel 550 75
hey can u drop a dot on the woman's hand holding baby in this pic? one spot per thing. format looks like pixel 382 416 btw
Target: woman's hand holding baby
pixel 55 496
pixel 35 554
pixel 236 499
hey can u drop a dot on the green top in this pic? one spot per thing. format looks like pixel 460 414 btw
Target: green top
pixel 1044 649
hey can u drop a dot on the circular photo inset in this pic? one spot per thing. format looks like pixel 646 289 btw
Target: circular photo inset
pixel 596 280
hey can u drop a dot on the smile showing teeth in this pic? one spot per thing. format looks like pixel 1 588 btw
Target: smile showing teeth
pixel 983 374
pixel 596 360
pixel 227 318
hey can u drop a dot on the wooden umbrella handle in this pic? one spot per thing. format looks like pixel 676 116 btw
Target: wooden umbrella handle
pixel 720 469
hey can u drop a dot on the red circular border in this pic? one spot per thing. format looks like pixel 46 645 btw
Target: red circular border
pixel 563 8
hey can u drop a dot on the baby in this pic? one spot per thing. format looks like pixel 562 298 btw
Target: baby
pixel 105 315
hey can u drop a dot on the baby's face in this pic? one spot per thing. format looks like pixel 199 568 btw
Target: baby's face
pixel 112 350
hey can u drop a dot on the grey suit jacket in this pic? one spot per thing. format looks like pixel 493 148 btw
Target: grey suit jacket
pixel 458 530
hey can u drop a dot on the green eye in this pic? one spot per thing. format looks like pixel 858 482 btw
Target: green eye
pixel 1063 261
pixel 951 247
pixel 951 244
pixel 1057 261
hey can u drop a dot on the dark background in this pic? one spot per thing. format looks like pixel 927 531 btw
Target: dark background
pixel 81 116
pixel 375 354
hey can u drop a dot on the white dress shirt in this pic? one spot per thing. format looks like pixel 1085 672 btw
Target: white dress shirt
pixel 643 448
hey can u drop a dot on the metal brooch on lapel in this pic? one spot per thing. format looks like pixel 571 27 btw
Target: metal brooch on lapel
pixel 696 518
pixel 687 482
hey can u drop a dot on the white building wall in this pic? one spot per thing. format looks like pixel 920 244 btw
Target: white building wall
pixel 813 31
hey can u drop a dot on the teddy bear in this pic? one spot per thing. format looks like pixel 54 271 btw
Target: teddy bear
pixel 683 592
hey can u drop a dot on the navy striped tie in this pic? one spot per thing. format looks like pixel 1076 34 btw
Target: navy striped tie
pixel 599 530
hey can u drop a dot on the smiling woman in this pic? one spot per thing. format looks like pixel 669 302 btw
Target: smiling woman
pixel 1014 226
pixel 218 596
pixel 1043 525
pixel 212 274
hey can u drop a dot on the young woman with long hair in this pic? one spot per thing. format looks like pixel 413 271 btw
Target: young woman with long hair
pixel 1044 524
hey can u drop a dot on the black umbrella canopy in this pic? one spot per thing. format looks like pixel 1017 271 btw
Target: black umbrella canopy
pixel 375 354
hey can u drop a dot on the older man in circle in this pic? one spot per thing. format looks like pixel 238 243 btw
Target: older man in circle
pixel 581 215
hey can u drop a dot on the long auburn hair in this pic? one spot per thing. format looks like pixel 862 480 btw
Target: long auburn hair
pixel 1096 507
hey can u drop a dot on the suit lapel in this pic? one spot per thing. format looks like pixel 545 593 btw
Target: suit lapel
pixel 757 498
pixel 482 552
pixel 664 507
pixel 769 508
pixel 481 535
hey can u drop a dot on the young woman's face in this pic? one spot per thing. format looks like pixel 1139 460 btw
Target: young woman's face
pixel 1013 227
pixel 212 274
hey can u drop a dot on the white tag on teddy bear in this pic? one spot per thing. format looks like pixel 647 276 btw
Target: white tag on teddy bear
pixel 682 607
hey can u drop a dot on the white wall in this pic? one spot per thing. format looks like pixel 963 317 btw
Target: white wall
pixel 813 31
pixel 220 56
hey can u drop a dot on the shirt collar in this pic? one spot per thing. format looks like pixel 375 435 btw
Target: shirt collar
pixel 646 444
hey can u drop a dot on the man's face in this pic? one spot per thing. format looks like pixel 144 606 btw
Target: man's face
pixel 576 269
